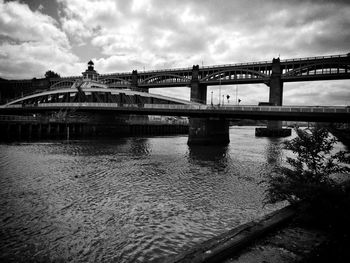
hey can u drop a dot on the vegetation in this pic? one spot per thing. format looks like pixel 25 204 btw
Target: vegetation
pixel 51 74
pixel 308 176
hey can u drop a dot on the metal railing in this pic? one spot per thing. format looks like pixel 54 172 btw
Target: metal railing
pixel 191 107
pixel 17 118
pixel 316 58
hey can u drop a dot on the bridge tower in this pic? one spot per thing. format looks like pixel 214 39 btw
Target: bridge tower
pixel 274 128
pixel 90 73
pixel 205 131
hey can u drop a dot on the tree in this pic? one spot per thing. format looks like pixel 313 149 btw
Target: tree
pixel 51 74
pixel 309 174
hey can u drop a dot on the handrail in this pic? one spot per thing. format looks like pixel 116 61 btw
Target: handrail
pixel 324 109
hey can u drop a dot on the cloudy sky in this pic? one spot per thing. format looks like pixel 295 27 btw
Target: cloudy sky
pixel 122 35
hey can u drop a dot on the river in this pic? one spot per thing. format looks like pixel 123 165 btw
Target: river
pixel 128 200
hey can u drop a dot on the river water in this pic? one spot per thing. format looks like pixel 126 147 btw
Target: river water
pixel 128 200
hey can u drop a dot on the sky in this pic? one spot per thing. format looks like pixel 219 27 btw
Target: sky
pixel 124 35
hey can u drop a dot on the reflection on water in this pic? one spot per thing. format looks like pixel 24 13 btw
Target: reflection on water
pixel 274 151
pixel 139 147
pixel 128 200
pixel 215 157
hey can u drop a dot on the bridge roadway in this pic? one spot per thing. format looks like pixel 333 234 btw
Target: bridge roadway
pixel 292 70
pixel 291 113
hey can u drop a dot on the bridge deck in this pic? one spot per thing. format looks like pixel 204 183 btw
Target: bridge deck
pixel 295 113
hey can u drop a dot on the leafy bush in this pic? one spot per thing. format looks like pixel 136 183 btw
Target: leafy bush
pixel 308 175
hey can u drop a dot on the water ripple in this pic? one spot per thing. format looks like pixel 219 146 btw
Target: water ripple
pixel 129 200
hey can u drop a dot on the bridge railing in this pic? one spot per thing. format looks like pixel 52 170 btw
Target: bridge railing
pixel 334 109
pixel 321 109
pixel 315 58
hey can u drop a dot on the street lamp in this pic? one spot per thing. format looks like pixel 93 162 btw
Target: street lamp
pixel 236 95
pixel 220 89
pixel 211 102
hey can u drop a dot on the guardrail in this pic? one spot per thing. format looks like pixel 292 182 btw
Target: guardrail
pixel 322 109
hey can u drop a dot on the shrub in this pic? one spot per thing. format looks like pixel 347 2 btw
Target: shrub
pixel 308 175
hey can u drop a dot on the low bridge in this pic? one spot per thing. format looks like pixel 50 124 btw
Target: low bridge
pixel 288 113
pixel 208 124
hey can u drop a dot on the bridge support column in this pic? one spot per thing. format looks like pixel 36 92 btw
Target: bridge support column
pixel 274 128
pixel 205 131
pixel 134 82
pixel 198 90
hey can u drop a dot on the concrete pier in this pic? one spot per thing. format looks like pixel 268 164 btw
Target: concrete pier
pixel 205 131
pixel 198 90
pixel 274 128
pixel 208 131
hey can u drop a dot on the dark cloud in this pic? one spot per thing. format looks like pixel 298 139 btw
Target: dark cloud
pixel 150 34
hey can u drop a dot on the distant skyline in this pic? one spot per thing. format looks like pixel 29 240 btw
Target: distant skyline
pixel 119 36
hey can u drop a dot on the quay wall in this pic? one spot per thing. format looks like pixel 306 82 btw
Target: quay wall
pixel 28 131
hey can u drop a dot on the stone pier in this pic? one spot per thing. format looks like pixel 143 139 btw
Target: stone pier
pixel 274 128
pixel 134 83
pixel 205 131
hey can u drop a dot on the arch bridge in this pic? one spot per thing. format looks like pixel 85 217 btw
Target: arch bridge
pixel 291 70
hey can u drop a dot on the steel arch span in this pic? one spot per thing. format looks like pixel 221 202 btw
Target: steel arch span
pixel 236 73
pixel 160 79
pixel 95 94
pixel 67 83
pixel 115 82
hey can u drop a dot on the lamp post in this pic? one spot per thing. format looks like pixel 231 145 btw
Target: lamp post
pixel 223 100
pixel 220 90
pixel 211 101
pixel 236 96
